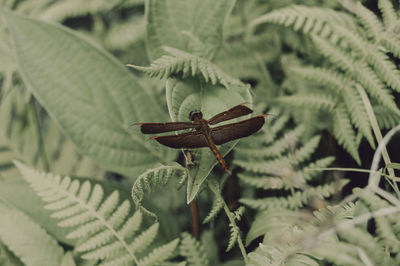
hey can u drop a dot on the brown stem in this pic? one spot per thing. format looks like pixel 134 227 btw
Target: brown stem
pixel 195 219
pixel 194 209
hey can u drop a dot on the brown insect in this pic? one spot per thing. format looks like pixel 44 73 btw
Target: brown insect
pixel 205 136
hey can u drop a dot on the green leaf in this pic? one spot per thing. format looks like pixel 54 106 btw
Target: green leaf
pixel 271 223
pixel 172 22
pixel 393 165
pixel 92 97
pixel 192 94
pixel 27 240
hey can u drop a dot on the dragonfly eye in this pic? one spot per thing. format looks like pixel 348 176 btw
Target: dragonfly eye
pixel 195 114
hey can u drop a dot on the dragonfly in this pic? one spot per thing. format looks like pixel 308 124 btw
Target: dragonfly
pixel 203 135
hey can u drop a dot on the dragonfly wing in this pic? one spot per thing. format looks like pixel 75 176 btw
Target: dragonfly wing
pixel 154 128
pixel 234 112
pixel 181 141
pixel 238 130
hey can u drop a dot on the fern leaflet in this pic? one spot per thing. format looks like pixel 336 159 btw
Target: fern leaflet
pixel 187 64
pixel 216 208
pixel 193 251
pixel 152 178
pixel 107 231
pixel 356 59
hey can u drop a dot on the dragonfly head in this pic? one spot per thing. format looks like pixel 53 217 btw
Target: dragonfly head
pixel 195 115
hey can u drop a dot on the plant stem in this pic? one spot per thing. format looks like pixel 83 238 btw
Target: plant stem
pixel 228 213
pixel 375 128
pixel 195 219
pixel 194 209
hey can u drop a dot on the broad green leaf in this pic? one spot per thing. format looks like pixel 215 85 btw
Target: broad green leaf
pixel 192 94
pixel 25 238
pixel 183 24
pixel 92 97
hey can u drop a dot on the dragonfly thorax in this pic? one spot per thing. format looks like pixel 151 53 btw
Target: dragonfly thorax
pixel 195 115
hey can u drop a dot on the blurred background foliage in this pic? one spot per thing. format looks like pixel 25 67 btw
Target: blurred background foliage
pixel 263 58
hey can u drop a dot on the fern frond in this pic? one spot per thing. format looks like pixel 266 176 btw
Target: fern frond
pixel 335 54
pixel 193 251
pixel 385 69
pixel 276 167
pixel 145 238
pixel 374 86
pixel 384 225
pixel 371 23
pixel 291 236
pixel 218 205
pixel 265 182
pixel 310 20
pixel 364 240
pixel 277 148
pixel 277 126
pixel 30 243
pixel 298 199
pixel 238 213
pixel 160 254
pixel 348 253
pixel 356 59
pixel 386 119
pixel 388 13
pixel 318 101
pixel 344 133
pixel 284 172
pixel 310 174
pixel 358 113
pixel 187 64
pixel 322 76
pixel 106 230
pixel 304 153
pixel 152 178
pixel 283 254
pixel 392 45
pixel 235 234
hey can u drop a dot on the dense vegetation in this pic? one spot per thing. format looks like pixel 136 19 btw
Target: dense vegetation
pixel 80 186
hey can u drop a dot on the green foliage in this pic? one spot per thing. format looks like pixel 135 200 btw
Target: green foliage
pixel 271 168
pixel 107 108
pixel 189 94
pixel 169 19
pixel 37 140
pixel 193 251
pixel 150 179
pixel 325 70
pixel 106 230
pixel 352 46
pixel 215 209
pixel 180 61
pixel 307 241
pixel 33 246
